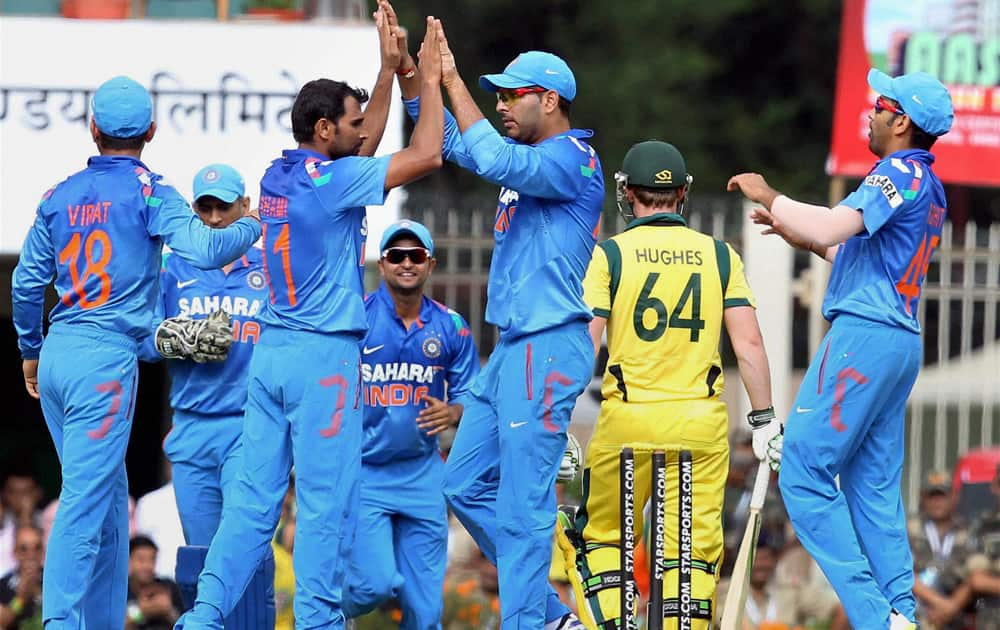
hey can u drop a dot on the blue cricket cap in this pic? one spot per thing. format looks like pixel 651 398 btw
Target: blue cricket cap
pixel 220 181
pixel 407 227
pixel 122 108
pixel 534 68
pixel 924 99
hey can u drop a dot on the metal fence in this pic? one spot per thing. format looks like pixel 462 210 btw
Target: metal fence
pixel 463 243
pixel 955 405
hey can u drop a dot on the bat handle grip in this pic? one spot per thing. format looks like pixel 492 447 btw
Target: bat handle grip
pixel 760 486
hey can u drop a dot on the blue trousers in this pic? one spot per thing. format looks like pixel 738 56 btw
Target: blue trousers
pixel 849 420
pixel 87 381
pixel 400 542
pixel 205 452
pixel 501 471
pixel 303 407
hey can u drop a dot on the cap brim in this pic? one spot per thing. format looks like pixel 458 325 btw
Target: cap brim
pixel 494 82
pixel 401 233
pixel 881 83
pixel 226 196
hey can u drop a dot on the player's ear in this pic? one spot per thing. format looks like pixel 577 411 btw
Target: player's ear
pixel 431 264
pixel 95 132
pixel 151 131
pixel 324 130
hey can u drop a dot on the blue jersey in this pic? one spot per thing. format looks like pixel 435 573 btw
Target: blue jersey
pixel 877 274
pixel 100 233
pixel 400 366
pixel 315 228
pixel 546 224
pixel 215 388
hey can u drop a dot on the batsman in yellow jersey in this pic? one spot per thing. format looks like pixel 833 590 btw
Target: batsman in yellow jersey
pixel 664 292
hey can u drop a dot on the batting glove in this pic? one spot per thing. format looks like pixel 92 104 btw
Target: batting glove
pixel 570 465
pixel 768 436
pixel 202 340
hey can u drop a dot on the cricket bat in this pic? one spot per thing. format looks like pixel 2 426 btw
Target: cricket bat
pixel 739 583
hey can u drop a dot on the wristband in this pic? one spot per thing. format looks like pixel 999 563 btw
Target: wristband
pixel 760 417
pixel 16 606
pixel 407 74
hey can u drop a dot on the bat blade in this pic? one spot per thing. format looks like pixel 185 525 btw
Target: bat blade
pixel 739 583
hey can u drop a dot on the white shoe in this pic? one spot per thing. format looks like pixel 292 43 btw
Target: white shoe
pixel 899 622
pixel 569 621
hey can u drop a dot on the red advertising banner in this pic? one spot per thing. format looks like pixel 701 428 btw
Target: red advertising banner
pixel 958 41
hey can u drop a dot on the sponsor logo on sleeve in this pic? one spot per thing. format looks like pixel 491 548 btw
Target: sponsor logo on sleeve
pixel 888 189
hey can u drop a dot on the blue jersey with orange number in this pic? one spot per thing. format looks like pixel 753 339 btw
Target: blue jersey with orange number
pixel 100 233
pixel 877 274
pixel 399 367
pixel 215 388
pixel 546 222
pixel 315 228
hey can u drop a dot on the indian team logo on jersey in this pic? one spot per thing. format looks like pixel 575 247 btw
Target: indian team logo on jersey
pixel 255 280
pixel 431 347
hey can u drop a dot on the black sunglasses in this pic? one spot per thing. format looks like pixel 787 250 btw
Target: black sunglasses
pixel 396 255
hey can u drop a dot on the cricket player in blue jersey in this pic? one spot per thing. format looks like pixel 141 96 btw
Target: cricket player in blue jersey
pixel 99 234
pixel 501 471
pixel 208 397
pixel 414 348
pixel 304 400
pixel 849 415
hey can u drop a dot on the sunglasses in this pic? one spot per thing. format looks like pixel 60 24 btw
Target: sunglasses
pixel 509 95
pixel 396 255
pixel 885 103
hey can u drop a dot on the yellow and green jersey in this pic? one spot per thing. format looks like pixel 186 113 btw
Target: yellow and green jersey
pixel 663 288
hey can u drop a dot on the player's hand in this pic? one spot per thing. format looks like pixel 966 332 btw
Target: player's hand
pixel 449 71
pixel 436 416
pixel 761 216
pixel 387 43
pixel 30 369
pixel 754 187
pixel 768 436
pixel 406 61
pixel 430 54
pixel 570 465
pixel 202 340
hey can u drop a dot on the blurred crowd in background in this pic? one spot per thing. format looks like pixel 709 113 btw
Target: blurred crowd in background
pixel 956 556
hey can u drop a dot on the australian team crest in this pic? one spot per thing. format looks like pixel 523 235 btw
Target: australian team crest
pixel 431 347
pixel 255 280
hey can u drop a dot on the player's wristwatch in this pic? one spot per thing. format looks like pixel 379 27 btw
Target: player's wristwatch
pixel 760 417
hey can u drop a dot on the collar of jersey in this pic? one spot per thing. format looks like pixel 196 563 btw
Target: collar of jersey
pixel 300 154
pixel 113 160
pixel 660 218
pixel 426 304
pixel 911 154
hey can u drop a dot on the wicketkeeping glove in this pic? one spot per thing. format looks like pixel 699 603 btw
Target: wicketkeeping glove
pixel 202 340
pixel 768 436
pixel 570 465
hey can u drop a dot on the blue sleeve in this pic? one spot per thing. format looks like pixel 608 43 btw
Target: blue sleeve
pixel 351 182
pixel 881 195
pixel 464 365
pixel 556 169
pixel 206 248
pixel 34 272
pixel 147 348
pixel 454 149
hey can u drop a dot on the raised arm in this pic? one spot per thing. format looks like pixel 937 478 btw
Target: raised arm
pixel 377 111
pixel 822 227
pixel 423 155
